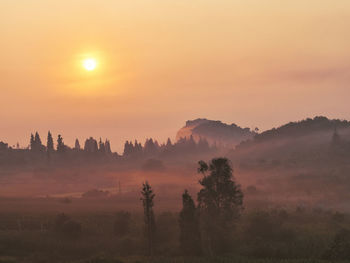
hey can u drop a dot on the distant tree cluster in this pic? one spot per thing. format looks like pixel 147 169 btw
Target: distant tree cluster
pixel 152 148
pixel 55 150
pixel 91 145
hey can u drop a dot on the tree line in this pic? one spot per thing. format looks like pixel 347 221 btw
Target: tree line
pixel 56 148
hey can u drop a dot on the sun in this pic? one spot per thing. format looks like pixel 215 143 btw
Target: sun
pixel 89 64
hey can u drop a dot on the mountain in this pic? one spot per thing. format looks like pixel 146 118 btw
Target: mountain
pixel 215 132
pixel 303 140
pixel 303 128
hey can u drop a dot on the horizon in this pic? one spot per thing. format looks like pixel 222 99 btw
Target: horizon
pixel 148 69
pixel 120 148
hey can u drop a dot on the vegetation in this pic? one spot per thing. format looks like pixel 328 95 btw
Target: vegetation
pixel 190 239
pixel 215 230
pixel 211 225
pixel 150 224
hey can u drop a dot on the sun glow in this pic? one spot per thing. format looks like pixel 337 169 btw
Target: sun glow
pixel 89 64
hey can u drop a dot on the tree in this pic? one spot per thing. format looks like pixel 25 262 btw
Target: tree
pixel 190 241
pixel 101 147
pixel 91 145
pixel 168 143
pixel 220 202
pixel 32 142
pixel 60 144
pixel 49 144
pixel 35 143
pixel 37 139
pixel 108 147
pixel 128 147
pixel 77 145
pixel 151 148
pixel 150 225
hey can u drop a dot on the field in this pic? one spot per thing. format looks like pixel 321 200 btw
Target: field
pixel 270 235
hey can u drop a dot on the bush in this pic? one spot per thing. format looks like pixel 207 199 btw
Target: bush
pixel 122 224
pixel 71 229
pixel 67 227
pixel 60 220
pixel 340 247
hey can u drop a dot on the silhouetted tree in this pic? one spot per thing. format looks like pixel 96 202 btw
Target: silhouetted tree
pixel 151 148
pixel 3 146
pixel 32 142
pixel 101 147
pixel 138 150
pixel 49 144
pixel 150 225
pixel 190 241
pixel 128 147
pixel 61 148
pixel 37 139
pixel 168 143
pixel 35 143
pixel 220 202
pixel 108 147
pixel 91 145
pixel 77 145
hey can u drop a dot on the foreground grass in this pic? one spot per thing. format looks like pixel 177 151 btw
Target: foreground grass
pixel 228 259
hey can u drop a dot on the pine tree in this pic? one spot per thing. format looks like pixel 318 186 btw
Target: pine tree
pixel 151 148
pixel 37 139
pixel 220 202
pixel 32 142
pixel 190 241
pixel 101 147
pixel 150 226
pixel 77 145
pixel 91 145
pixel 108 147
pixel 35 143
pixel 60 144
pixel 49 144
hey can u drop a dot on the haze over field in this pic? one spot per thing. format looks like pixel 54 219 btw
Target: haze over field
pixel 174 131
pixel 159 63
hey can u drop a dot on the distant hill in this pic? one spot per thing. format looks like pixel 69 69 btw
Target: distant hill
pixel 215 132
pixel 295 137
pixel 302 128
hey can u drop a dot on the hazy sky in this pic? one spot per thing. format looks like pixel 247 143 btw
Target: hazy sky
pixel 160 62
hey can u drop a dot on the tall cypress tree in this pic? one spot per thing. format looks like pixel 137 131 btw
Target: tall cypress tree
pixel 32 142
pixel 38 145
pixel 49 144
pixel 150 224
pixel 190 241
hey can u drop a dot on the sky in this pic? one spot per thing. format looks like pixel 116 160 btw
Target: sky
pixel 160 62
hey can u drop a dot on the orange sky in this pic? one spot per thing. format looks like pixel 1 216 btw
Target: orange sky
pixel 161 62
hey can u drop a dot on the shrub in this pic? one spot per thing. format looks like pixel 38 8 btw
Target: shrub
pixel 122 224
pixel 340 247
